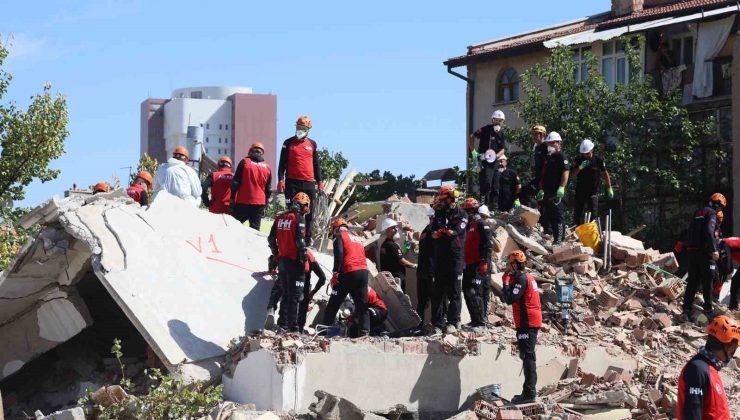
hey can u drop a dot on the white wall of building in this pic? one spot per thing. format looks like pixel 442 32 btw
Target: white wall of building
pixel 209 92
pixel 214 115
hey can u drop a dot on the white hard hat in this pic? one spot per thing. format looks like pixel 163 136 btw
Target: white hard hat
pixel 388 223
pixel 483 211
pixel 498 114
pixel 553 136
pixel 586 146
pixel 430 211
pixel 503 157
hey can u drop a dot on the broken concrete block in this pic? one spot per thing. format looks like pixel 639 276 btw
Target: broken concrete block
pixel 570 252
pixel 465 415
pixel 109 395
pixel 608 300
pixel 667 262
pixel 552 372
pixel 76 413
pixel 573 368
pixel 663 319
pixel 509 414
pixel 526 241
pixel 671 288
pixel 529 216
pixel 503 244
pixel 330 407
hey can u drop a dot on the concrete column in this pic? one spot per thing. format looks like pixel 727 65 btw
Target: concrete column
pixel 736 137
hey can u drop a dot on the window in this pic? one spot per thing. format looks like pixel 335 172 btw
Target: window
pixel 226 141
pixel 508 86
pixel 220 127
pixel 196 94
pixel 682 47
pixel 579 57
pixel 219 140
pixel 208 126
pixel 206 139
pixel 227 126
pixel 614 65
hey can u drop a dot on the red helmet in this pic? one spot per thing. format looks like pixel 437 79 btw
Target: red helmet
pixel 179 150
pixel 147 177
pixel 338 222
pixel 258 145
pixel 302 198
pixel 447 191
pixel 304 121
pixel 101 187
pixel 224 159
pixel 517 256
pixel 718 198
pixel 470 204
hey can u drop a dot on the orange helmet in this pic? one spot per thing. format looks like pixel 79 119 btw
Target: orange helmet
pixel 718 198
pixel 302 198
pixel 338 222
pixel 470 204
pixel 224 159
pixel 720 216
pixel 101 187
pixel 539 129
pixel 724 329
pixel 448 191
pixel 304 121
pixel 147 177
pixel 517 256
pixel 179 150
pixel 258 145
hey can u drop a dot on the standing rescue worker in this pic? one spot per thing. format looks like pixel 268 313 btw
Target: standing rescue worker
pixel 702 250
pixel 251 187
pixel 732 245
pixel 521 292
pixel 391 256
pixel 701 393
pixel 509 186
pixel 476 277
pixel 287 241
pixel 350 277
pixel 299 169
pixel 425 268
pixel 553 180
pixel 219 184
pixel 179 179
pixel 588 169
pixel 139 190
pixel 448 232
pixel 491 146
pixel 539 151
pixel 101 187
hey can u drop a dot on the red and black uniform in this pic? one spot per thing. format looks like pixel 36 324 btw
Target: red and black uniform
pixel 139 193
pixel 488 178
pixel 701 242
pixel 250 190
pixel 299 168
pixel 449 227
pixel 552 207
pixel 476 277
pixel 425 271
pixel 287 242
pixel 350 263
pixel 701 394
pixel 521 292
pixel 732 245
pixel 277 292
pixel 220 184
pixel 377 311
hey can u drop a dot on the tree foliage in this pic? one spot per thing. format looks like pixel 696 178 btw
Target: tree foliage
pixel 332 164
pixel 146 163
pixel 395 184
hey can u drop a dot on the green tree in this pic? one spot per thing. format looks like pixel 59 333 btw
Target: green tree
pixel 30 140
pixel 332 164
pixel 648 139
pixel 146 163
pixel 394 184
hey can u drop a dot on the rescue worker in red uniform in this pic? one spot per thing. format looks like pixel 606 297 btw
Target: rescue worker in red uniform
pixel 101 187
pixel 377 312
pixel 139 190
pixel 732 245
pixel 448 232
pixel 251 187
pixel 701 394
pixel 521 292
pixel 476 277
pixel 287 241
pixel 702 250
pixel 350 277
pixel 299 169
pixel 219 184
pixel 425 269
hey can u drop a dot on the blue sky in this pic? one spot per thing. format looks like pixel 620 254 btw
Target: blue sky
pixel 370 76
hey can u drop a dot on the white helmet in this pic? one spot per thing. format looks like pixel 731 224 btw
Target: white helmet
pixel 483 211
pixel 388 223
pixel 586 146
pixel 503 157
pixel 498 115
pixel 430 211
pixel 553 136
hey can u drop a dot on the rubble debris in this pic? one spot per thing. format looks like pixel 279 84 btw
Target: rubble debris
pixel 330 407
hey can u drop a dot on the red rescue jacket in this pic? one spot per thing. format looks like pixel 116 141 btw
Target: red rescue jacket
pixel 478 242
pixel 221 191
pixel 134 191
pixel 527 307
pixel 255 176
pixel 701 394
pixel 734 244
pixel 352 253
pixel 286 232
pixel 300 159
pixel 373 300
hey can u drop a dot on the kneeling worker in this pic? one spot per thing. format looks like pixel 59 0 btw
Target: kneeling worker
pixel 139 190
pixel 521 292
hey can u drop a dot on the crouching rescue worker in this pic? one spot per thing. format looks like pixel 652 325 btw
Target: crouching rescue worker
pixel 391 256
pixel 701 394
pixel 702 248
pixel 521 292
pixel 476 277
pixel 251 187
pixel 448 231
pixel 219 184
pixel 139 190
pixel 377 311
pixel 350 277
pixel 287 241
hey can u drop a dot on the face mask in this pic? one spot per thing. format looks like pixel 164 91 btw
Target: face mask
pixel 301 134
pixel 501 169
pixel 497 128
pixel 551 150
pixel 396 236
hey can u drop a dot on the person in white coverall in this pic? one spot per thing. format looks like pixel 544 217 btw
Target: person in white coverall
pixel 179 179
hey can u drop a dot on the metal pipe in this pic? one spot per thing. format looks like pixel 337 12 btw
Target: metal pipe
pixel 471 105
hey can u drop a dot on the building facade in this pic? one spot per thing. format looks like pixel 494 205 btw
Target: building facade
pixel 691 45
pixel 232 118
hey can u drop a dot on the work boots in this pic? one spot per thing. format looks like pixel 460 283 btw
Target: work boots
pixel 523 399
pixel 558 233
pixel 270 320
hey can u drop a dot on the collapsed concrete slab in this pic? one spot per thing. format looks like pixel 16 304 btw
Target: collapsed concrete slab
pixel 190 281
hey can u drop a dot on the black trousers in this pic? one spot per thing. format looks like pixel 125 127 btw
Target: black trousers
pixel 447 288
pixel 488 182
pixel 277 292
pixel 590 203
pixel 249 212
pixel 292 281
pixel 377 319
pixel 552 213
pixel 735 290
pixel 526 341
pixel 293 187
pixel 700 274
pixel 424 289
pixel 473 290
pixel 353 283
